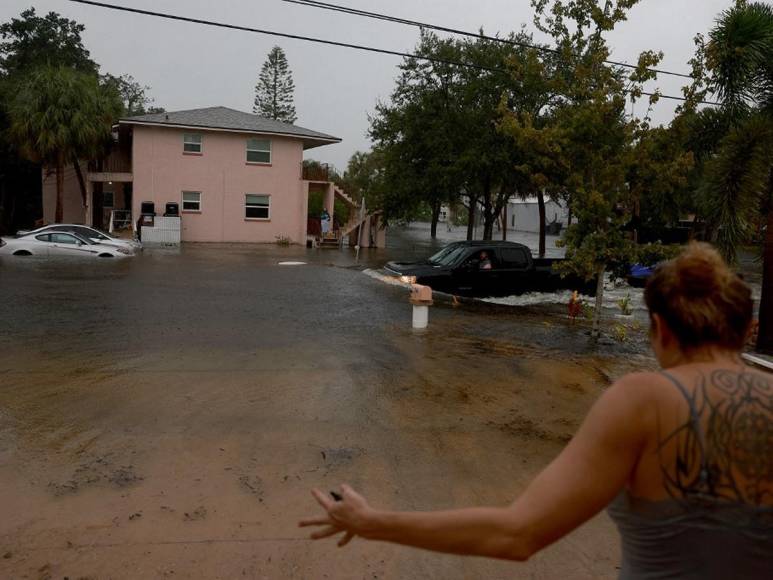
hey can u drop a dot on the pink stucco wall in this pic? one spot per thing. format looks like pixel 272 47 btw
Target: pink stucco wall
pixel 72 201
pixel 162 172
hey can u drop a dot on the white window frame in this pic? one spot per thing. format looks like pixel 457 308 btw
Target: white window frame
pixel 247 205
pixel 182 202
pixel 199 143
pixel 255 150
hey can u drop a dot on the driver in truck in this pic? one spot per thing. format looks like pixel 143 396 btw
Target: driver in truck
pixel 484 262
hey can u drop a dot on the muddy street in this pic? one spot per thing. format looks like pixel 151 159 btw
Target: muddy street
pixel 166 416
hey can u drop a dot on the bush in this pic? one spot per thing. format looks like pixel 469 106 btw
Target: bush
pixel 652 254
pixel 620 332
pixel 625 305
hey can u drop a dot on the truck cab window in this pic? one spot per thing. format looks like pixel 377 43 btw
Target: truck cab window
pixel 514 258
pixel 481 260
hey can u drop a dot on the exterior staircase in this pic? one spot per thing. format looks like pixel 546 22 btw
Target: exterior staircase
pixel 340 193
pixel 332 240
pixel 335 238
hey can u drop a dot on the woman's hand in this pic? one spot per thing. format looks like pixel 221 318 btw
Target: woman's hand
pixel 350 515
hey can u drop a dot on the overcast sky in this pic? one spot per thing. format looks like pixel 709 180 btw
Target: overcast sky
pixel 189 65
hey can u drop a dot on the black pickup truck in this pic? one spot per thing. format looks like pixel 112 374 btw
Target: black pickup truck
pixel 488 269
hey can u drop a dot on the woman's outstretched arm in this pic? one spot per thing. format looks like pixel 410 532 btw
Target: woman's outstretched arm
pixel 580 482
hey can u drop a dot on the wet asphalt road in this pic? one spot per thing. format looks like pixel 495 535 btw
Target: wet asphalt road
pixel 166 415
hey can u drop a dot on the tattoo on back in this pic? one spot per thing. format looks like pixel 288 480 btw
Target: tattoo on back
pixel 724 448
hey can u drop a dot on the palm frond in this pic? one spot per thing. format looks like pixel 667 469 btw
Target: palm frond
pixel 62 111
pixel 739 55
pixel 736 181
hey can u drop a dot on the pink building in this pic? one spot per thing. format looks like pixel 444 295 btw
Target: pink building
pixel 237 177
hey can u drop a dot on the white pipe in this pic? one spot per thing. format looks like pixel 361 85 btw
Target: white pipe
pixel 359 231
pixel 420 317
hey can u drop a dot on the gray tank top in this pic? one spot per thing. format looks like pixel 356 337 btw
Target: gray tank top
pixel 700 536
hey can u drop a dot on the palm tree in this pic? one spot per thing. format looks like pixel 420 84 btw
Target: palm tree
pixel 739 178
pixel 60 115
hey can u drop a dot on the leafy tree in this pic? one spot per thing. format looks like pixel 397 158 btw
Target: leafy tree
pixel 539 168
pixel 60 115
pixel 30 44
pixel 658 175
pixel 440 137
pixel 738 180
pixel 487 157
pixel 31 41
pixel 275 89
pixel 134 96
pixel 418 133
pixel 364 177
pixel 591 139
pixel 27 42
pixel 20 184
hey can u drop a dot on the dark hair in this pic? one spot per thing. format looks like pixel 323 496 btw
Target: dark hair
pixel 701 299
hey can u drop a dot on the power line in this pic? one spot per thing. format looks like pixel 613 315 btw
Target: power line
pixel 397 20
pixel 320 40
pixel 282 34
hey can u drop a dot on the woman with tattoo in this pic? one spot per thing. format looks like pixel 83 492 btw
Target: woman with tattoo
pixel 681 458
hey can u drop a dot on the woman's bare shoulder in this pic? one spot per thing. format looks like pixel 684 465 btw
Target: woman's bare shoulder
pixel 640 386
pixel 638 396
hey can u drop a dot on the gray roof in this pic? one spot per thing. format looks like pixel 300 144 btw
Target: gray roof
pixel 227 119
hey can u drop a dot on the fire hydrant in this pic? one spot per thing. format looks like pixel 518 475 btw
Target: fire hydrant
pixel 421 298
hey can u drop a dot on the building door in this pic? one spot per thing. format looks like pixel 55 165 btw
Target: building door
pixel 97 205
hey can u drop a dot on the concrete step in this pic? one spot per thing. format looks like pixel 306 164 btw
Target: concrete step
pixel 329 243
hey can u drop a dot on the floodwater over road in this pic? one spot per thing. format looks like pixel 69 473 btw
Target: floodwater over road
pixel 165 416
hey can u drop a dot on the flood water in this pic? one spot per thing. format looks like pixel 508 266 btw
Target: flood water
pixel 165 415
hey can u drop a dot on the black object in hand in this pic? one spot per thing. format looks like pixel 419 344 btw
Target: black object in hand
pixel 336 496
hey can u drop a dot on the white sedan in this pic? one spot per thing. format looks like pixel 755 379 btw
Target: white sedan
pixel 87 232
pixel 59 244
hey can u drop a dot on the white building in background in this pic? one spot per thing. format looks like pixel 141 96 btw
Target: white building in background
pixel 523 215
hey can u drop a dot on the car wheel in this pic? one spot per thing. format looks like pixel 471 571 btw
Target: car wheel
pixel 22 253
pixel 105 255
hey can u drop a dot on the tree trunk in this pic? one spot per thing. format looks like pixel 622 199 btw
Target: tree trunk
pixel 81 181
pixel 471 219
pixel 488 225
pixel 541 205
pixel 435 219
pixel 596 329
pixel 488 215
pixel 765 336
pixel 59 213
pixel 504 223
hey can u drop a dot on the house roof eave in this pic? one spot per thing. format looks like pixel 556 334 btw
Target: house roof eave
pixel 309 141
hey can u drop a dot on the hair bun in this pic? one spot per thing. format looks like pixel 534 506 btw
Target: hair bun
pixel 701 271
pixel 701 299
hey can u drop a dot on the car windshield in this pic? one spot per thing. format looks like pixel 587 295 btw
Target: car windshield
pixel 90 232
pixel 435 258
pixel 448 255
